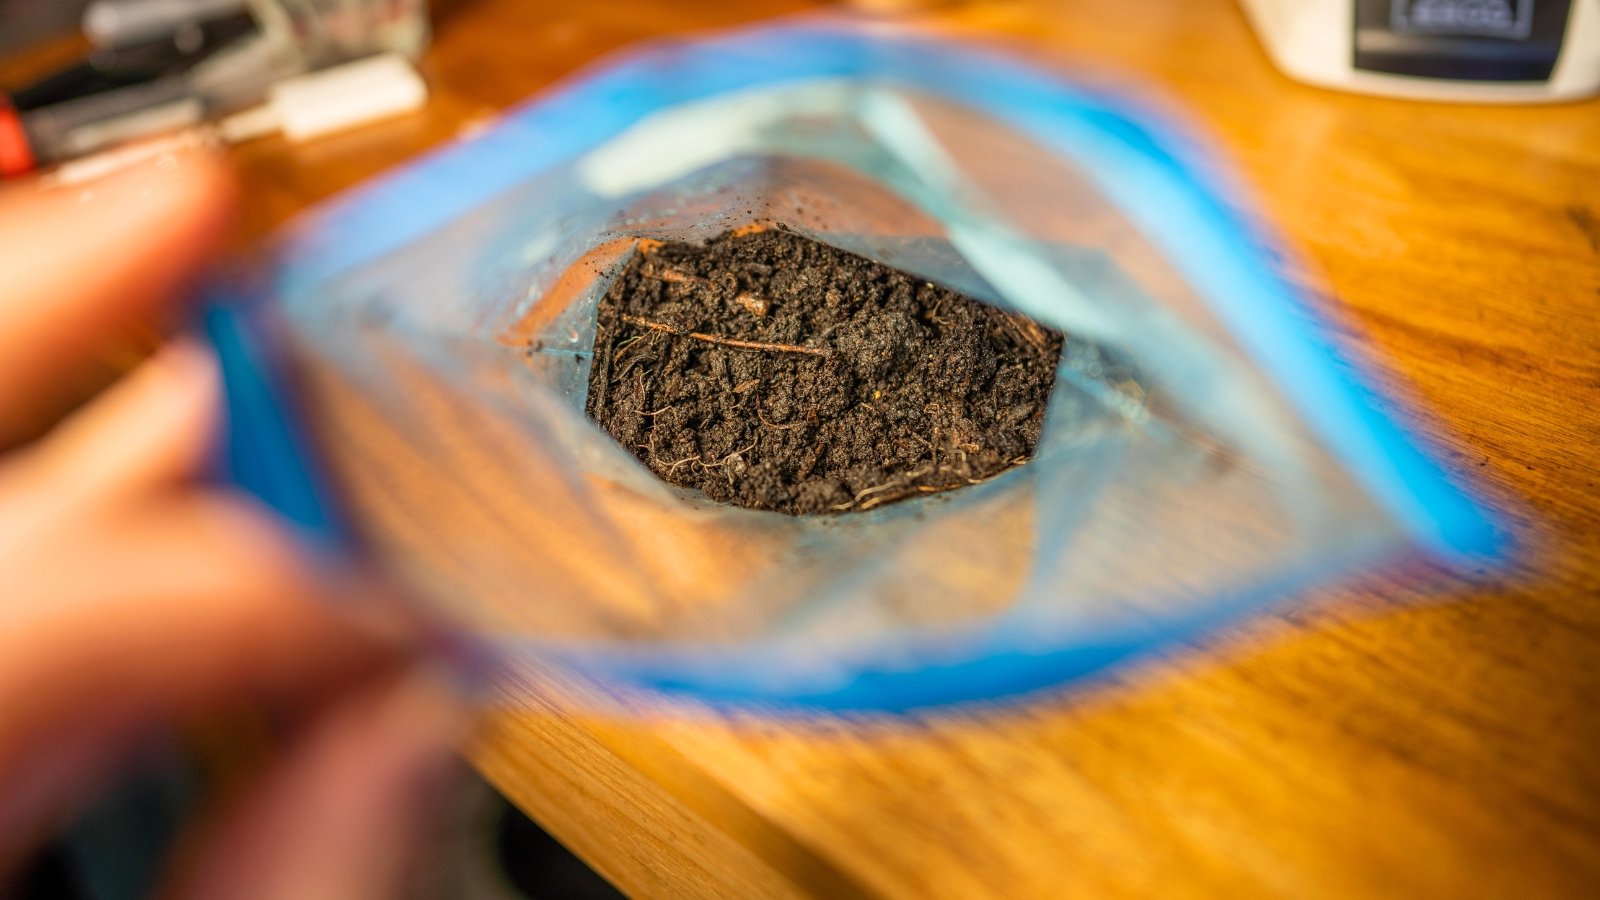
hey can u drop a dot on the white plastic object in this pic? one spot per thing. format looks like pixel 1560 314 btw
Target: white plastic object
pixel 318 103
pixel 1312 41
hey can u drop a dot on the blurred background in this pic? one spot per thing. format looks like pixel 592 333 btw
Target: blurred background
pixel 28 21
pixel 1445 753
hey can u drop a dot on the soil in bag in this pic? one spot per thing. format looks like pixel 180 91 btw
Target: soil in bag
pixel 774 372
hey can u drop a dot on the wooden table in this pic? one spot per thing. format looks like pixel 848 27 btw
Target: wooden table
pixel 1386 739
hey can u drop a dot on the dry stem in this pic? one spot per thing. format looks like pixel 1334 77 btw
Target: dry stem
pixel 722 341
pixel 755 303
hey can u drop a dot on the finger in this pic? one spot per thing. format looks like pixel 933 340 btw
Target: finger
pixel 168 609
pixel 343 813
pixel 85 265
pixel 174 612
pixel 152 429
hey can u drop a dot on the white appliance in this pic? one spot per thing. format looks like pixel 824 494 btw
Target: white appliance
pixel 1495 51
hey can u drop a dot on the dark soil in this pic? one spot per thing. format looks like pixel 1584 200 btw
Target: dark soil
pixel 774 372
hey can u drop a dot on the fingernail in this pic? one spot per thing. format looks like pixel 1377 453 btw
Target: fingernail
pixel 185 361
pixel 160 156
pixel 149 191
pixel 190 376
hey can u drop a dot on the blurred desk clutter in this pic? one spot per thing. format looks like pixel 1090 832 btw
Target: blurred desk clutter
pixel 217 70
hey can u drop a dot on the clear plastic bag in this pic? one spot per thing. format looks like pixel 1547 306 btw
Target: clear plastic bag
pixel 1204 452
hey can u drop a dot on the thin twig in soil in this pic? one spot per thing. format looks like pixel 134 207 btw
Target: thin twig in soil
pixel 674 466
pixel 902 481
pixel 755 303
pixel 1026 331
pixel 730 456
pixel 674 276
pixel 864 500
pixel 664 328
pixel 879 501
pixel 989 478
pixel 633 361
pixel 876 489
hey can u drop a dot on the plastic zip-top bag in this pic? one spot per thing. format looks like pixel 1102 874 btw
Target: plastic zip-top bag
pixel 1203 451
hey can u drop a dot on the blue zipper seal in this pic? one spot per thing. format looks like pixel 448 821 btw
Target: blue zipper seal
pixel 265 449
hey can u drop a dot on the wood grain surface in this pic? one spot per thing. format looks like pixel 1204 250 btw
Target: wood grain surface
pixel 1425 736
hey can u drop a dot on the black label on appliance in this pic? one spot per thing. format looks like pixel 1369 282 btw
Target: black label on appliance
pixel 1511 19
pixel 1468 40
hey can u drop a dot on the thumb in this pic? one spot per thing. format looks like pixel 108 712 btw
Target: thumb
pixel 82 268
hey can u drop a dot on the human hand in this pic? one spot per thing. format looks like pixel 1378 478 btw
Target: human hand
pixel 138 599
